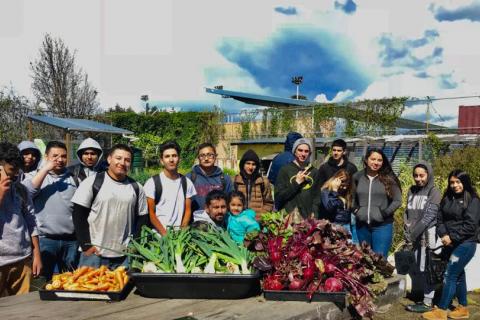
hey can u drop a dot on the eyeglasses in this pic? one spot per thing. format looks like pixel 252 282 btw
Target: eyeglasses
pixel 207 155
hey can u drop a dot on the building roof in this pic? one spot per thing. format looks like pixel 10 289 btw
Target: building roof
pixel 275 102
pixel 83 125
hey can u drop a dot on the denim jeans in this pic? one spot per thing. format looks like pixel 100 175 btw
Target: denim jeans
pixel 62 254
pixel 352 231
pixel 96 261
pixel 378 237
pixel 454 281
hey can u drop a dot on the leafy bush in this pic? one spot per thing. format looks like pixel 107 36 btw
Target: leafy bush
pixel 467 159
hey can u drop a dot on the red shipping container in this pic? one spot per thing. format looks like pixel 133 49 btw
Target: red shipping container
pixel 468 119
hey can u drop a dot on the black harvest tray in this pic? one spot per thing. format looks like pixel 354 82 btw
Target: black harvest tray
pixel 86 295
pixel 196 286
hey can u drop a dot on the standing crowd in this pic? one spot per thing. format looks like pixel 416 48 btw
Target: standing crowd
pixel 56 218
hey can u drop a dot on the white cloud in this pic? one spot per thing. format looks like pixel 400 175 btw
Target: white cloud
pixel 341 96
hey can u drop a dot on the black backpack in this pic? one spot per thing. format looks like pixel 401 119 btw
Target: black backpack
pixel 159 189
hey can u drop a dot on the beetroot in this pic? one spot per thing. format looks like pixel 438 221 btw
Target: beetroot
pixel 333 285
pixel 330 268
pixel 296 284
pixel 272 282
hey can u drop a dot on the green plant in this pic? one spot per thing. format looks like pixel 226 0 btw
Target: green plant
pixel 467 159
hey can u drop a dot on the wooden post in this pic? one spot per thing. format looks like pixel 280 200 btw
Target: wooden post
pixel 30 130
pixel 69 147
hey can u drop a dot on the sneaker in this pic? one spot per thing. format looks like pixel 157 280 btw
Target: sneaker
pixel 459 312
pixel 418 308
pixel 435 314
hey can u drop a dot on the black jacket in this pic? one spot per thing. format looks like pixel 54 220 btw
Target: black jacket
pixel 329 168
pixel 458 221
pixel 291 195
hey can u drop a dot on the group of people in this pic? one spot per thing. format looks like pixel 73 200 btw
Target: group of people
pixel 54 217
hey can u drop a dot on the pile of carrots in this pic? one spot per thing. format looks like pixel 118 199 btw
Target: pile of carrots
pixel 90 279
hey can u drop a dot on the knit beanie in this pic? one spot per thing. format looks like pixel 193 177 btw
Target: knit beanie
pixel 302 141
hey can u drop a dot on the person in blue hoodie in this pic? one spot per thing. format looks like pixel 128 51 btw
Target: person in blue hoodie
pixel 206 176
pixel 31 157
pixel 240 220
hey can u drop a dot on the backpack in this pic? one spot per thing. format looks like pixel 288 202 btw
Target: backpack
pixel 158 187
pixel 98 182
pixel 193 177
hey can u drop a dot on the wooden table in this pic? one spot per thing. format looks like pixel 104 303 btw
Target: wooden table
pixel 29 306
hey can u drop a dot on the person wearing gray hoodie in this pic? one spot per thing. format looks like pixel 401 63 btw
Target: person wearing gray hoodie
pixel 52 189
pixel 31 157
pixel 378 196
pixel 89 155
pixel 420 218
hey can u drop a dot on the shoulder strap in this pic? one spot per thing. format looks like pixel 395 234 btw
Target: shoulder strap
pixel 158 188
pixel 193 177
pixel 184 185
pixel 97 184
pixel 136 188
pixel 224 183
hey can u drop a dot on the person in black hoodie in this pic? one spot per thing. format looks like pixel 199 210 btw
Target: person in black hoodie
pixel 255 188
pixel 338 160
pixel 297 182
pixel 457 227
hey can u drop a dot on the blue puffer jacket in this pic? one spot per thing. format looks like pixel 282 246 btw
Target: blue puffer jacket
pixel 333 208
pixel 238 226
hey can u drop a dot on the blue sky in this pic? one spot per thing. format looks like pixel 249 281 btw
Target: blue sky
pixel 172 49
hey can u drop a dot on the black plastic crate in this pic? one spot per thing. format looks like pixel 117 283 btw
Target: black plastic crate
pixel 339 298
pixel 63 295
pixel 197 286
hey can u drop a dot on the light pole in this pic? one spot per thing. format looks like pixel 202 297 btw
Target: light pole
pixel 297 80
pixel 144 98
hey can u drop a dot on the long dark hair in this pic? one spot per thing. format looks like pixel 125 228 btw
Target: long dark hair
pixel 385 174
pixel 469 191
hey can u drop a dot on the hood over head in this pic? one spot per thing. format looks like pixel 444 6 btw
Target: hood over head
pixel 290 140
pixel 431 178
pixel 89 143
pixel 250 155
pixel 29 145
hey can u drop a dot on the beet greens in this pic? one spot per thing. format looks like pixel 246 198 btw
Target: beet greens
pixel 316 256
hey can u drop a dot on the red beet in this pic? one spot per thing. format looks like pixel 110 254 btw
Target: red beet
pixel 333 285
pixel 272 282
pixel 296 284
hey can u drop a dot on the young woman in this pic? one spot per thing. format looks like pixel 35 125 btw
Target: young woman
pixel 378 195
pixel 256 189
pixel 457 227
pixel 420 218
pixel 337 201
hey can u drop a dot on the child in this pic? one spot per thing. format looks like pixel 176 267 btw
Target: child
pixel 240 221
pixel 336 197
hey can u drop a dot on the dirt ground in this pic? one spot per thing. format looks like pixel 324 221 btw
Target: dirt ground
pixel 397 310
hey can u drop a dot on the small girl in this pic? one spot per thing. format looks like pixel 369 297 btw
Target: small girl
pixel 240 220
pixel 337 201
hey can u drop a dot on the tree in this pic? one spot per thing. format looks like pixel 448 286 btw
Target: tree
pixel 59 84
pixel 13 115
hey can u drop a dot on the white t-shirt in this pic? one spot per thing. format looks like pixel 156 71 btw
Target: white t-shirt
pixel 171 207
pixel 111 218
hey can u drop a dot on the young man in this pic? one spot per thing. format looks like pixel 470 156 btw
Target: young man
pixel 52 188
pixel 214 212
pixel 206 176
pixel 169 194
pixel 337 161
pixel 31 157
pixel 19 246
pixel 89 154
pixel 283 158
pixel 297 184
pixel 420 218
pixel 108 208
